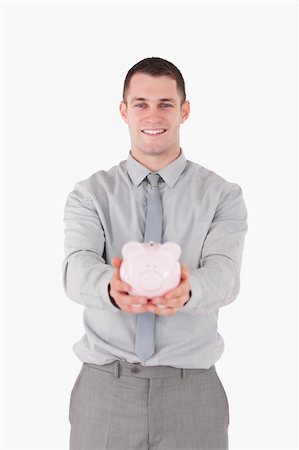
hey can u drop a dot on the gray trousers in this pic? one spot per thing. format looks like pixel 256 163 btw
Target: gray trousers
pixel 124 406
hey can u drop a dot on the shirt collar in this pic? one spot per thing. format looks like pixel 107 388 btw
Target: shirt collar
pixel 170 174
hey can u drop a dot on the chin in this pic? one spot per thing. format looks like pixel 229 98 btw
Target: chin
pixel 153 151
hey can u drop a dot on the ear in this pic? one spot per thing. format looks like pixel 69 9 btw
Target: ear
pixel 171 249
pixel 132 249
pixel 123 111
pixel 185 111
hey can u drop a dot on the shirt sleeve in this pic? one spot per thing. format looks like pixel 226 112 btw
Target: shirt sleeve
pixel 216 282
pixel 86 275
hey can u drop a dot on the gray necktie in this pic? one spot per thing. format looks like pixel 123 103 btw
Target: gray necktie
pixel 145 323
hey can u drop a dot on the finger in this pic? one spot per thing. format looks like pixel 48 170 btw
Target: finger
pixel 119 298
pixel 137 302
pixel 116 262
pixel 177 292
pixel 121 286
pixel 134 300
pixel 179 301
pixel 116 275
pixel 163 301
pixel 133 310
pixel 165 311
pixel 157 300
pixel 129 300
pixel 176 302
pixel 185 272
pixel 182 289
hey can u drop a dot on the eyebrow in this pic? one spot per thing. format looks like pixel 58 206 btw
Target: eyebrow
pixel 141 99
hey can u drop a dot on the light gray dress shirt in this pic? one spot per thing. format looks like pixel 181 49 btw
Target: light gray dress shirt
pixel 203 213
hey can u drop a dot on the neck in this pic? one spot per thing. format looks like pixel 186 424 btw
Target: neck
pixel 155 162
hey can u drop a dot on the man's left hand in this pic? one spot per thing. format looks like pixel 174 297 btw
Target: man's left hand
pixel 173 300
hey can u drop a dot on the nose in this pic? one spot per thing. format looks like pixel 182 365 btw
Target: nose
pixel 151 281
pixel 153 116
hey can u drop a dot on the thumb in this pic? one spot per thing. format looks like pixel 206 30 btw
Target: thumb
pixel 116 262
pixel 184 271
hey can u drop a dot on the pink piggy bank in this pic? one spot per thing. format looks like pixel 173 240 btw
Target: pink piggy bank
pixel 150 269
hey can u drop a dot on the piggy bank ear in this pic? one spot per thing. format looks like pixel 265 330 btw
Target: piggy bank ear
pixel 171 249
pixel 131 249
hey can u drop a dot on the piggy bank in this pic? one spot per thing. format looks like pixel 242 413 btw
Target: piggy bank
pixel 150 269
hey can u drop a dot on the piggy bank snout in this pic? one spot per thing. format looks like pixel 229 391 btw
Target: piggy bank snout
pixel 151 269
pixel 151 281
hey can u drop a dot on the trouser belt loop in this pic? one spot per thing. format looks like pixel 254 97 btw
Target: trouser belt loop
pixel 117 369
pixel 183 373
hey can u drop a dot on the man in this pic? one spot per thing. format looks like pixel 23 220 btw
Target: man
pixel 173 398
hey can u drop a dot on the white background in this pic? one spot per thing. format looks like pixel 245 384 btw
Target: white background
pixel 64 64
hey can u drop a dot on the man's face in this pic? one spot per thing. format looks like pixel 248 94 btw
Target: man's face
pixel 154 113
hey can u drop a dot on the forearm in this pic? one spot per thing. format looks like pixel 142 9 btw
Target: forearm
pixel 214 285
pixel 216 282
pixel 86 279
pixel 85 273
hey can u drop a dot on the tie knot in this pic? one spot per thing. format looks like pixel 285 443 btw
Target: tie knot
pixel 153 179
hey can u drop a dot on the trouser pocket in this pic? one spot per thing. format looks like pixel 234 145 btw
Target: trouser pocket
pixel 74 391
pixel 224 394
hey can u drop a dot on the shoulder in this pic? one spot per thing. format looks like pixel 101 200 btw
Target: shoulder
pixel 102 180
pixel 209 179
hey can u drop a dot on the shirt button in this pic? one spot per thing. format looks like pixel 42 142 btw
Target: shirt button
pixel 135 370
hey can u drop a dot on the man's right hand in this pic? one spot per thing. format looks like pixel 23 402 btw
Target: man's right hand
pixel 119 291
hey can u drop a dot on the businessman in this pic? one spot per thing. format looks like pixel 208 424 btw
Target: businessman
pixel 148 378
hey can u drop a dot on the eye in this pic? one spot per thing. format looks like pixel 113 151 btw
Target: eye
pixel 139 105
pixel 166 105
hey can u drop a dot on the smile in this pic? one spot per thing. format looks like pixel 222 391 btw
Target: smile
pixel 154 132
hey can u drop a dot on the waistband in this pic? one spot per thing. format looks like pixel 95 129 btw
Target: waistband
pixel 123 368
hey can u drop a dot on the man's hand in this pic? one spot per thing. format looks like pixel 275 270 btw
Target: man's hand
pixel 172 301
pixel 119 291
pixel 175 299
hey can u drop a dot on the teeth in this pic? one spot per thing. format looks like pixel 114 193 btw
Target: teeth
pixel 154 131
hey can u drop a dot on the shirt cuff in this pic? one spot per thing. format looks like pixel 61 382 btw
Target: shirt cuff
pixel 192 306
pixel 104 286
pixel 112 299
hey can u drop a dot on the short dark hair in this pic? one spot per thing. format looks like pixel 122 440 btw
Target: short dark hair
pixel 156 67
